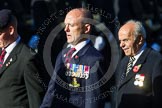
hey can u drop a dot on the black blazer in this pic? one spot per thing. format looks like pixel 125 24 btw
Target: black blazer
pixel 20 83
pixel 129 94
pixel 60 95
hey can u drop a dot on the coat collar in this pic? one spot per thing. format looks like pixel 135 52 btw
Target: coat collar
pixel 79 54
pixel 141 60
pixel 11 58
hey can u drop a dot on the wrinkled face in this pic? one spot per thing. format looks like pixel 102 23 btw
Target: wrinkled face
pixel 4 38
pixel 129 44
pixel 73 28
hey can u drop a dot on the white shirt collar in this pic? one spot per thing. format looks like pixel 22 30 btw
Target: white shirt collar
pixel 11 47
pixel 139 53
pixel 79 46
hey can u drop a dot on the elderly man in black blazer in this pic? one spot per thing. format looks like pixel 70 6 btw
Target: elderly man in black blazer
pixel 21 85
pixel 139 82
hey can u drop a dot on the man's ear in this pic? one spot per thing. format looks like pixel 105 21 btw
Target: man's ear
pixel 87 28
pixel 11 30
pixel 141 39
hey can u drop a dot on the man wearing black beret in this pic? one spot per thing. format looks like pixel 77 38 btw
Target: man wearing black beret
pixel 20 83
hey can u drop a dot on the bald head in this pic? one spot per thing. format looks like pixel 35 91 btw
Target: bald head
pixel 80 12
pixel 77 24
pixel 136 27
pixel 127 28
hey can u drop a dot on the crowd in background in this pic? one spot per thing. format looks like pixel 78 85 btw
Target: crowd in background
pixel 37 18
pixel 32 13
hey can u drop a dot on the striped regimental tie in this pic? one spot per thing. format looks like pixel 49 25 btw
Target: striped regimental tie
pixel 130 65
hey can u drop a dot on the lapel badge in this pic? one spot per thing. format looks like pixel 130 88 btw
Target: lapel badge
pixel 7 64
pixel 76 57
pixel 136 68
pixel 64 55
pixel 139 79
pixel 10 59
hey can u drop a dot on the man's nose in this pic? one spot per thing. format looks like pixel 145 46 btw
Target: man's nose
pixel 66 29
pixel 122 44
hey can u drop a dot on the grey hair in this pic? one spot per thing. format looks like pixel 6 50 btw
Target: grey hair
pixel 139 28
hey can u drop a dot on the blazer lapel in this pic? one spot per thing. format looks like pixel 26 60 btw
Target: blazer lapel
pixel 122 74
pixel 11 58
pixel 76 59
pixel 141 60
pixel 78 55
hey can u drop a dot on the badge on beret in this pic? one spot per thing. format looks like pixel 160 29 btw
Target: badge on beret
pixel 139 79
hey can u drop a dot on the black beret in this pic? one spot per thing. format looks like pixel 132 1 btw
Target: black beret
pixel 5 18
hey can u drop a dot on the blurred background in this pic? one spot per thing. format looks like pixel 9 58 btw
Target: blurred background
pixel 31 15
pixel 37 18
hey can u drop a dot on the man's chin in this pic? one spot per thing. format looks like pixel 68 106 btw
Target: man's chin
pixel 1 46
pixel 127 54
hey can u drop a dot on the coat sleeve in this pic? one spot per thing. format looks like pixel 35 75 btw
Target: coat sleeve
pixel 33 83
pixel 157 84
pixel 49 95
